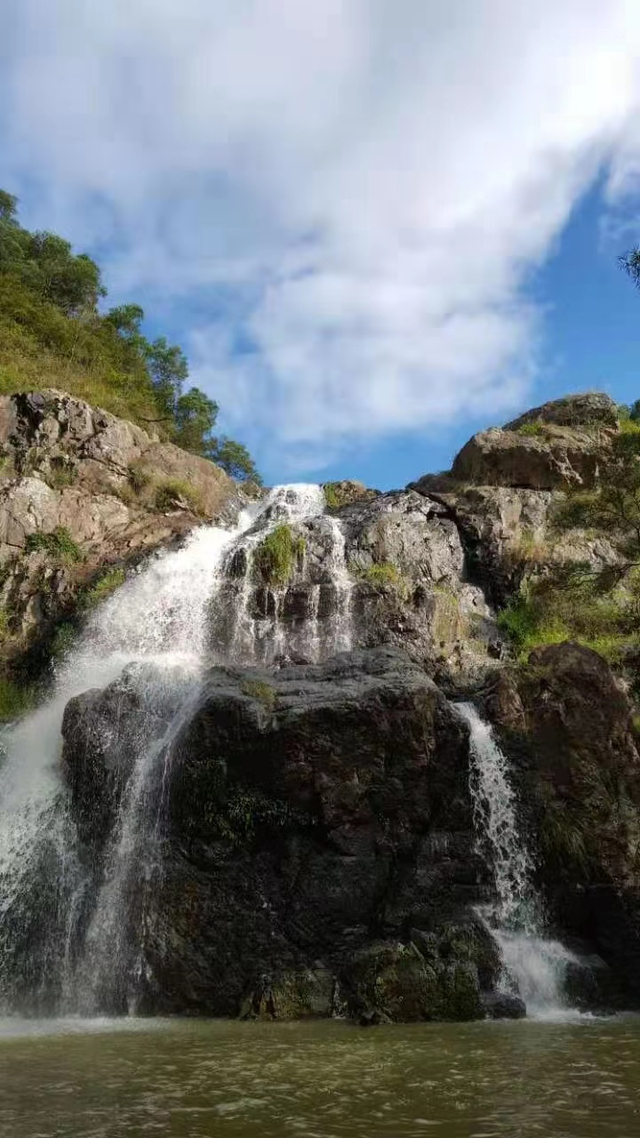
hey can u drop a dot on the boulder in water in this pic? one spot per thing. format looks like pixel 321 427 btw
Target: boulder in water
pixel 502 1005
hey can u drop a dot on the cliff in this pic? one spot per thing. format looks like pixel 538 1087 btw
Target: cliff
pixel 297 832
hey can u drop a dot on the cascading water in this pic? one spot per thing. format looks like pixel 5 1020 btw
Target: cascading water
pixel 156 626
pixel 535 964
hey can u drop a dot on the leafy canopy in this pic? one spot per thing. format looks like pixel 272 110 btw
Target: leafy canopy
pixel 51 325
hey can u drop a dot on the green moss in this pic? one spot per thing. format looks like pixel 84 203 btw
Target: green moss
pixel 106 583
pixel 15 699
pixel 331 496
pixel 59 545
pixel 382 574
pixel 174 492
pixel 276 557
pixel 260 690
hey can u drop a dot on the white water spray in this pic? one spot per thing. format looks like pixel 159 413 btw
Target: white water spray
pixel 158 621
pixel 534 963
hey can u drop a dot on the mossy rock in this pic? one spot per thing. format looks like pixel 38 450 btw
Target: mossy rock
pixel 339 494
pixel 397 982
pixel 278 555
pixel 303 994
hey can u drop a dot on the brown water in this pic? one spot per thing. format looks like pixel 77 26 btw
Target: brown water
pixel 193 1079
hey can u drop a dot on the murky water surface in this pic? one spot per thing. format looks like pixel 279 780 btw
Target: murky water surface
pixel 228 1080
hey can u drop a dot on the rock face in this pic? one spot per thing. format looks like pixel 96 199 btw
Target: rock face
pixel 319 843
pixel 67 467
pixel 387 568
pixel 568 726
pixel 505 483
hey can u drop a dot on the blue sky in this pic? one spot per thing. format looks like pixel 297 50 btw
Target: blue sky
pixel 374 228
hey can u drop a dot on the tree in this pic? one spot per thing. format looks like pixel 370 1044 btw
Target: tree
pixel 71 282
pixel 195 417
pixel 630 262
pixel 168 368
pixel 235 459
pixel 126 319
pixel 8 207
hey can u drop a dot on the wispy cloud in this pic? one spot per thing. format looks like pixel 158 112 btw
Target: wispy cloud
pixel 343 197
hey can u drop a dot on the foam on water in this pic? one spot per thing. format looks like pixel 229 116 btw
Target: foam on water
pixel 533 963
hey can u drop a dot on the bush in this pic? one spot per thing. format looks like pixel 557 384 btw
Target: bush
pixel 107 583
pixel 275 558
pixel 533 429
pixel 59 544
pixel 174 493
pixel 139 478
pixel 382 574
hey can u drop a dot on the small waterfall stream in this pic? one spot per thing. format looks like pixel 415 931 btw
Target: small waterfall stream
pixel 534 964
pixel 157 627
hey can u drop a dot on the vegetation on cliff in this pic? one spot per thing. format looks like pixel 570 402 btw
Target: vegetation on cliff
pixel 53 329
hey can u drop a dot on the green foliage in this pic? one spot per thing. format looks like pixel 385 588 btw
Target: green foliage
pixel 106 583
pixel 260 690
pixel 533 429
pixel 62 475
pixel 562 840
pixel 50 324
pixel 382 574
pixel 235 459
pixel 577 604
pixel 613 507
pixel 172 493
pixel 277 555
pixel 248 810
pixel 331 496
pixel 15 699
pixel 59 545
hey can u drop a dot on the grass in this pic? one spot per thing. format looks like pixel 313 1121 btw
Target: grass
pixel 139 478
pixel 276 557
pixel 59 545
pixel 382 574
pixel 529 549
pixel 553 610
pixel 63 640
pixel 533 429
pixel 15 699
pixel 104 586
pixel 175 493
pixel 260 690
pixel 61 476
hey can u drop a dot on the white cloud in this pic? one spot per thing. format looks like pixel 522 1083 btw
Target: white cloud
pixel 342 196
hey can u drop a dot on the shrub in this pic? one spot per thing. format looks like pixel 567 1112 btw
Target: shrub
pixel 331 496
pixel 176 493
pixel 59 544
pixel 533 429
pixel 139 478
pixel 106 583
pixel 382 574
pixel 275 558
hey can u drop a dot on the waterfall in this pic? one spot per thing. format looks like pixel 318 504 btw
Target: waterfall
pixel 67 941
pixel 534 964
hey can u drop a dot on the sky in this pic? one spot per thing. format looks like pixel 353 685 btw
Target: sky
pixel 374 227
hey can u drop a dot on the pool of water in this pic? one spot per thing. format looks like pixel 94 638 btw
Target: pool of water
pixel 198 1079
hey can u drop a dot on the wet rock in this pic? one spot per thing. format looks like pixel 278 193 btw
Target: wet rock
pixel 502 1005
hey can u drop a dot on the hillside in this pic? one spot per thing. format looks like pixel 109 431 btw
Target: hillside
pixel 56 332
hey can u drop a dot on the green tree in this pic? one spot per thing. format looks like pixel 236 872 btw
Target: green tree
pixel 630 262
pixel 235 459
pixel 195 417
pixel 8 207
pixel 168 368
pixel 126 319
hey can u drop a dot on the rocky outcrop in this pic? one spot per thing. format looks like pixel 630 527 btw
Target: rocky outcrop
pixel 319 845
pixel 567 725
pixel 81 490
pixel 505 485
